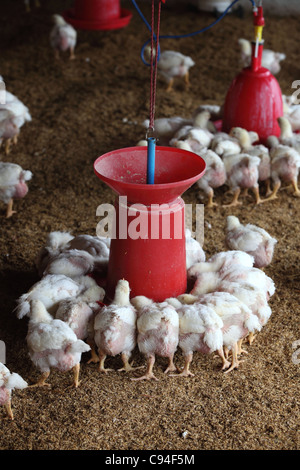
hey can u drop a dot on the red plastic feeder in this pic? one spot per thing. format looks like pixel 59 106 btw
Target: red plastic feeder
pixel 154 263
pixel 254 99
pixel 98 14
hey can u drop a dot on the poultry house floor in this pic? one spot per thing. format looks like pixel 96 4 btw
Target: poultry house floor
pixel 81 109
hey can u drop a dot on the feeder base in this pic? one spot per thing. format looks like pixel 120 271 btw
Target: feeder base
pixel 117 23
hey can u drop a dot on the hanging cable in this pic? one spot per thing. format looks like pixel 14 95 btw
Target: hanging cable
pixel 178 36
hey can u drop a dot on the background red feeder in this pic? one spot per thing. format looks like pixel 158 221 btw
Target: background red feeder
pixel 155 265
pixel 98 14
pixel 254 99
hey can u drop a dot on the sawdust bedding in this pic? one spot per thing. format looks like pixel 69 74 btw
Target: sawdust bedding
pixel 78 109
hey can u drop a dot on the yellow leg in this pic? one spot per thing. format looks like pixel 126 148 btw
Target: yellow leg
pixel 72 53
pixel 9 211
pixel 268 187
pixel 149 374
pixel 8 146
pixel 240 349
pixel 76 370
pixel 235 201
pixel 9 410
pixel 274 193
pixel 251 338
pixel 295 186
pixel 258 200
pixel 101 367
pixel 42 381
pixel 171 366
pixel 187 79
pixel 210 202
pixel 126 366
pixel 186 369
pixel 225 362
pixel 170 85
pixel 235 362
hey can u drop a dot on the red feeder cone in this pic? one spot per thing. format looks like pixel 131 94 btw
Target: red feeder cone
pixel 97 14
pixel 254 99
pixel 154 263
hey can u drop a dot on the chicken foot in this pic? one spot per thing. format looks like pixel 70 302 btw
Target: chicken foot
pixel 171 366
pixel 126 366
pixel 9 211
pixel 235 201
pixel 149 374
pixel 235 362
pixel 296 189
pixel 170 85
pixel 274 192
pixel 9 410
pixel 101 367
pixel 210 202
pixel 186 369
pixel 42 381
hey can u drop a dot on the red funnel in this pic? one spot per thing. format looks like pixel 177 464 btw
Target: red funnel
pixel 254 101
pixel 125 171
pixel 98 14
pixel 153 260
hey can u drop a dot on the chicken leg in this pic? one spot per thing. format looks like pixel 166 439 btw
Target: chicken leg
pixel 296 189
pixel 171 366
pixel 186 369
pixel 42 381
pixel 76 370
pixel 210 202
pixel 72 54
pixel 225 362
pixel 170 85
pixel 235 201
pixel 9 211
pixel 149 374
pixel 235 362
pixel 274 193
pixel 9 410
pixel 101 367
pixel 258 199
pixel 187 80
pixel 126 366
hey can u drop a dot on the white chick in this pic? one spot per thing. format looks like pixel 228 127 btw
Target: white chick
pixel 287 136
pixel 238 321
pixel 53 344
pixel 53 288
pixel 63 36
pixel 245 140
pixel 166 128
pixel 285 165
pixel 13 115
pixel 50 290
pixel 197 135
pixel 158 332
pixel 291 111
pixel 80 315
pixel 214 176
pixel 223 259
pixel 252 239
pixel 173 64
pixel 8 382
pixel 200 329
pixel 97 247
pixel 56 242
pixel 12 184
pixel 71 263
pixel 214 110
pixel 255 299
pixel 223 144
pixel 115 328
pixel 194 251
pixel 242 173
pixel 270 59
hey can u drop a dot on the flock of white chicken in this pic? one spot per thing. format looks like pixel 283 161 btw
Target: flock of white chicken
pixel 236 160
pixel 228 303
